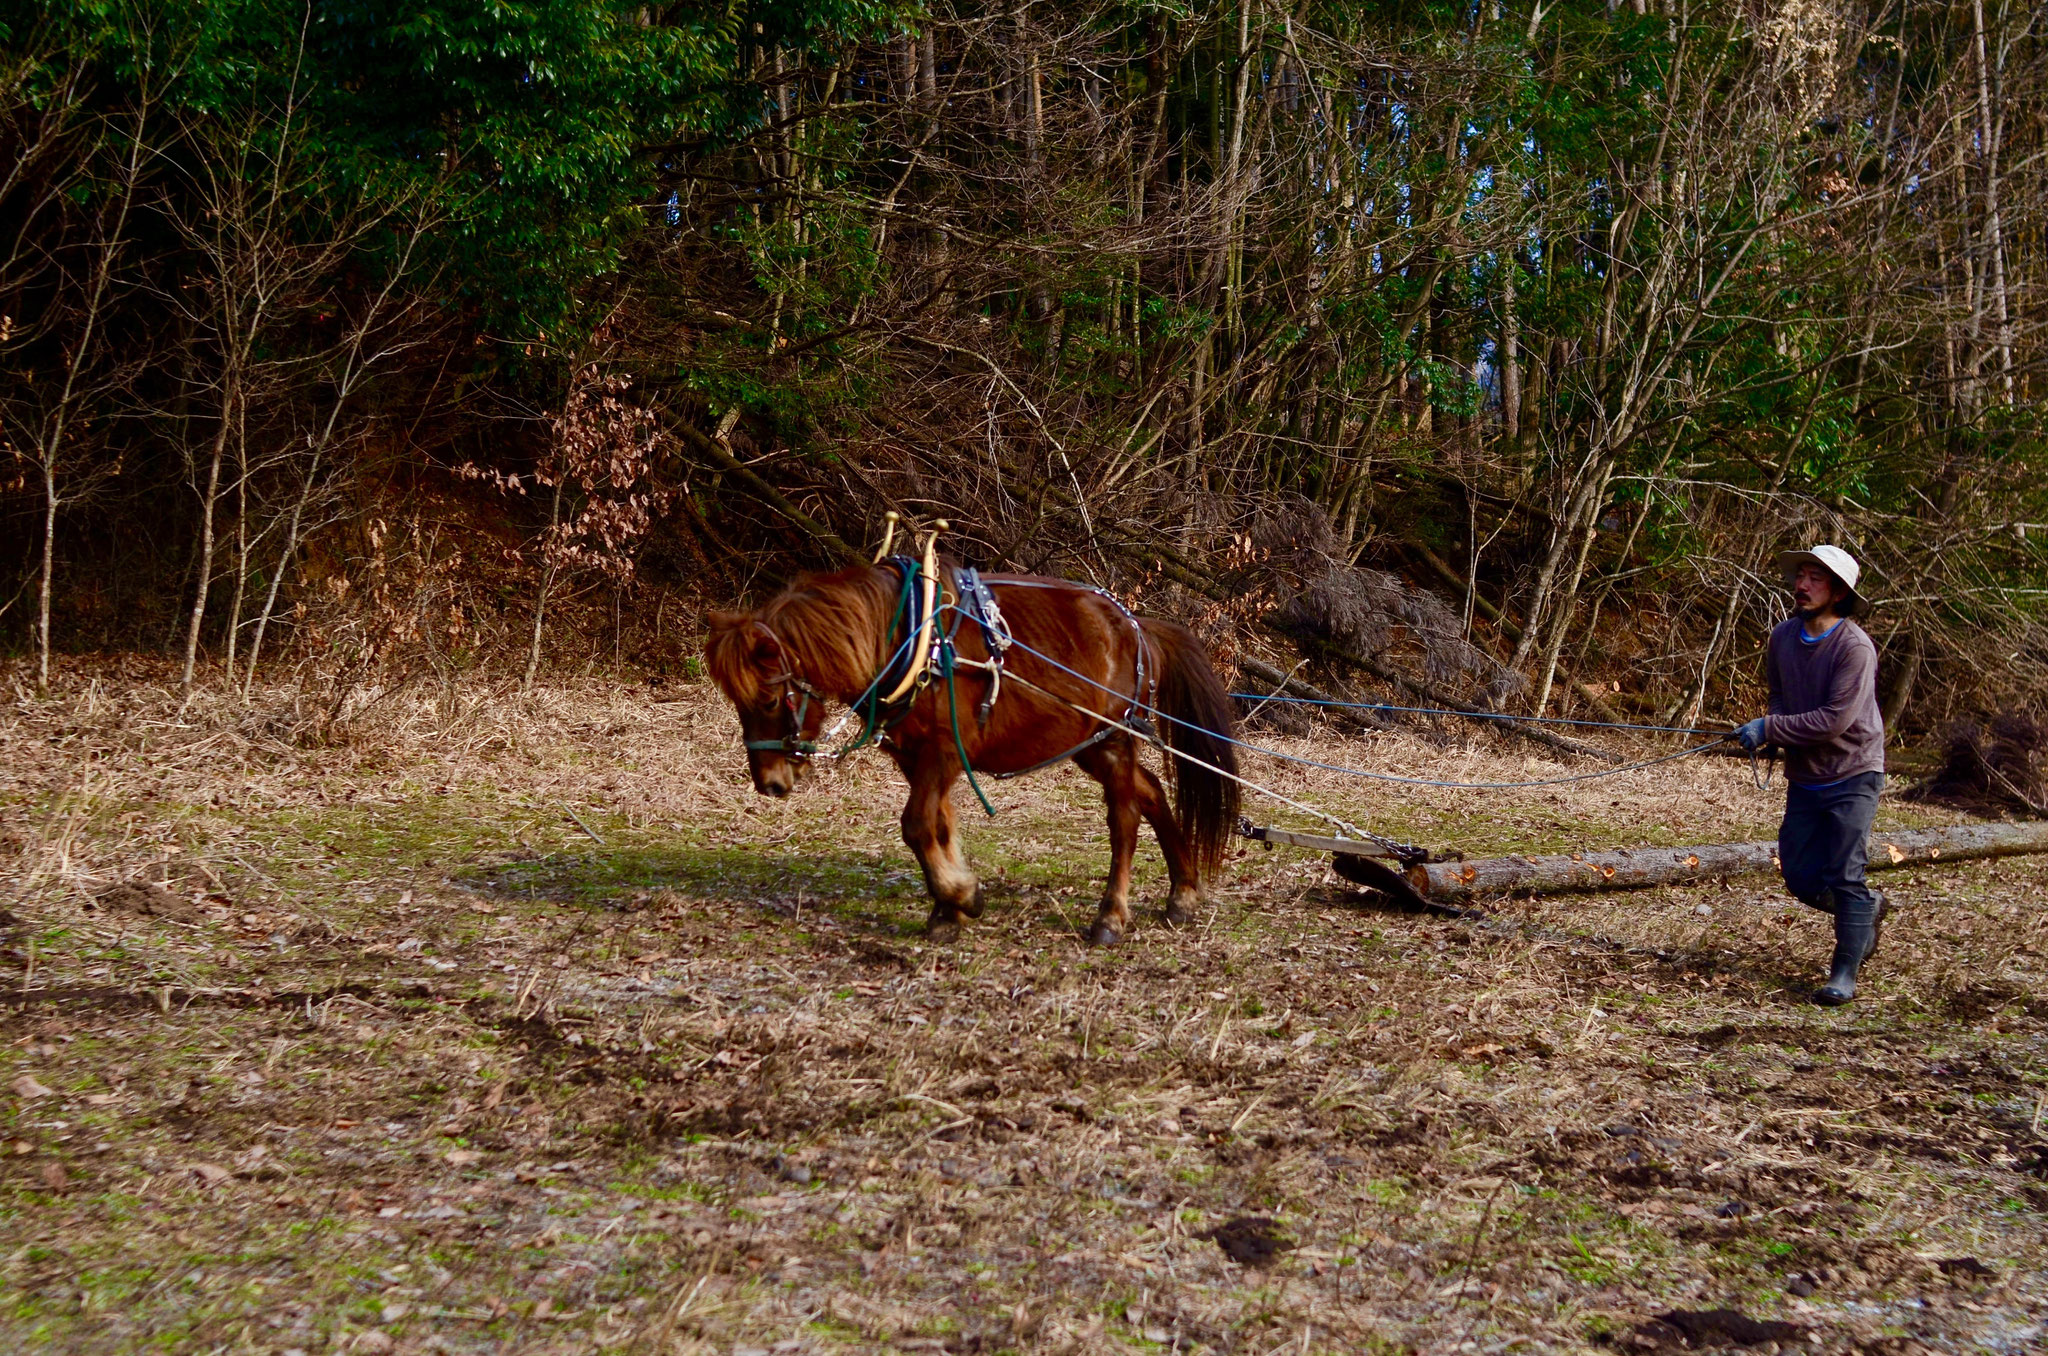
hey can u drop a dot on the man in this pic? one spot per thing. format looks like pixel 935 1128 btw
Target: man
pixel 1824 715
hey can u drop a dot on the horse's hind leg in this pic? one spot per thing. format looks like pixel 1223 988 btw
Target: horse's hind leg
pixel 1183 882
pixel 928 833
pixel 1113 763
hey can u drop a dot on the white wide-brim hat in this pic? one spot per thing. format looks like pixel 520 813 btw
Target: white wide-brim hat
pixel 1833 559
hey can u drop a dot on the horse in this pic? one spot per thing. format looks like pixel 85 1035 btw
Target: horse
pixel 1014 672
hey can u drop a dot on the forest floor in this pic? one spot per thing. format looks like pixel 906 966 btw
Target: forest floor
pixel 523 1025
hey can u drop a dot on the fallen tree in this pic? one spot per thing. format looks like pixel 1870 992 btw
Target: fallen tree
pixel 1633 868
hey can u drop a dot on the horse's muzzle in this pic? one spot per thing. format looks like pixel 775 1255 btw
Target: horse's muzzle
pixel 778 779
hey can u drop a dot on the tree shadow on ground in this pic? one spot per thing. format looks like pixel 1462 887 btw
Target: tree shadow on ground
pixel 876 892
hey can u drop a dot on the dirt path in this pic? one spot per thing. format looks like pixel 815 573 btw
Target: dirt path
pixel 402 1058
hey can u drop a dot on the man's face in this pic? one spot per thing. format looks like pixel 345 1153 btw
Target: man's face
pixel 1815 590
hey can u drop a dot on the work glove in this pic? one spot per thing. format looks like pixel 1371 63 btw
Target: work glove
pixel 1751 736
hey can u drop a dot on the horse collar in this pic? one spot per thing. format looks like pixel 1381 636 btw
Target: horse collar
pixel 911 612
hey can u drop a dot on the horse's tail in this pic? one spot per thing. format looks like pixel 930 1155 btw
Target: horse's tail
pixel 1200 726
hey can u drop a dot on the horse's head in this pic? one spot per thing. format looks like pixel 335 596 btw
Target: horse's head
pixel 779 710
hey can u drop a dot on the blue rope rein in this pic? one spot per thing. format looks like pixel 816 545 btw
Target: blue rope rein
pixel 1134 702
pixel 1360 772
pixel 1384 709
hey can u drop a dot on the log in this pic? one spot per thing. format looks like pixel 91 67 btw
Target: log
pixel 1634 868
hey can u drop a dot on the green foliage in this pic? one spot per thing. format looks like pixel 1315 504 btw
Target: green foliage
pixel 527 129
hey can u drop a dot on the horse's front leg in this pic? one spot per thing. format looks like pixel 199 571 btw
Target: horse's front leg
pixel 1112 766
pixel 928 833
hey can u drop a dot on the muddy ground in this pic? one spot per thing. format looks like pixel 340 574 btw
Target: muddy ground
pixel 522 1025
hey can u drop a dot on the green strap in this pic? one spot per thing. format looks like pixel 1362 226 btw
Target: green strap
pixel 953 710
pixel 871 717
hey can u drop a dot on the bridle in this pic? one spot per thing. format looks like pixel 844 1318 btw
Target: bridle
pixel 797 696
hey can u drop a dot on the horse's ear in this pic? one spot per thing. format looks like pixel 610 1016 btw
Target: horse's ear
pixel 763 649
pixel 741 633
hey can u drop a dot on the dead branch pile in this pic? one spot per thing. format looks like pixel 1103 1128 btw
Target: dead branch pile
pixel 1323 597
pixel 1993 763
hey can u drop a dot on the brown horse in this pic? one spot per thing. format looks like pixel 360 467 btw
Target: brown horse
pixel 845 636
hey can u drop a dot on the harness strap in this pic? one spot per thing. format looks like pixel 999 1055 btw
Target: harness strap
pixel 1090 742
pixel 977 600
pixel 946 655
pixel 1144 688
pixel 980 603
pixel 794 711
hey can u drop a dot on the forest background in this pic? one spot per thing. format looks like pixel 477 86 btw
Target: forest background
pixel 1481 352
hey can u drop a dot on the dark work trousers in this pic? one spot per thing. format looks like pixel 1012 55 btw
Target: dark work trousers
pixel 1823 845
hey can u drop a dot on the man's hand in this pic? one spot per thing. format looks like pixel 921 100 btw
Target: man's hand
pixel 1751 736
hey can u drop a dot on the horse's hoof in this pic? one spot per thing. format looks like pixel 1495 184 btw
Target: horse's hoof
pixel 943 931
pixel 972 908
pixel 1176 915
pixel 1102 934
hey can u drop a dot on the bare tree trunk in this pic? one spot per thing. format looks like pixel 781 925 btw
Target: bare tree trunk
pixel 1586 532
pixel 1539 600
pixel 77 356
pixel 1900 692
pixel 547 584
pixel 1687 707
pixel 241 565
pixel 48 574
pixel 284 563
pixel 1988 134
pixel 903 69
pixel 1628 546
pixel 359 358
pixel 1562 534
pixel 1510 360
pixel 1471 556
pixel 1153 165
pixel 1032 94
pixel 209 501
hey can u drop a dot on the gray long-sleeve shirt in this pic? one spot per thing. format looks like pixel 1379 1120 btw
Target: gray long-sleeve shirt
pixel 1823 709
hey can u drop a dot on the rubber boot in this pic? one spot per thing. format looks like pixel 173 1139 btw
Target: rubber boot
pixel 1855 938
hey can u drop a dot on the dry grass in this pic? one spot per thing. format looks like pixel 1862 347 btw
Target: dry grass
pixel 425 1066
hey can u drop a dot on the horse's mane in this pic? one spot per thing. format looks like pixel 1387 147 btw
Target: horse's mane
pixel 829 625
